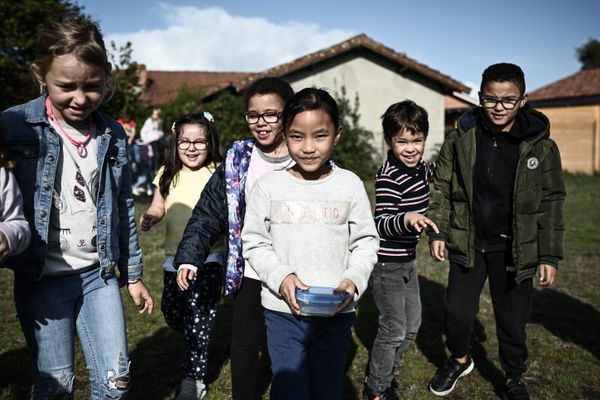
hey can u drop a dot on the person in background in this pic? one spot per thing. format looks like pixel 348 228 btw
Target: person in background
pixel 150 149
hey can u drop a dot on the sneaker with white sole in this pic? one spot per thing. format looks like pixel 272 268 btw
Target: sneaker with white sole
pixel 191 389
pixel 449 374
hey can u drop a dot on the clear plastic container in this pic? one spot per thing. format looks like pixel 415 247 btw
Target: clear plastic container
pixel 319 301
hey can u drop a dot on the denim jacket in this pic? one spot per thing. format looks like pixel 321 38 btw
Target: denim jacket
pixel 36 147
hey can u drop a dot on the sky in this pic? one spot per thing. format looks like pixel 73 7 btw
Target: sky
pixel 459 38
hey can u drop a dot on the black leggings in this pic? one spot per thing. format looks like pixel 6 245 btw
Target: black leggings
pixel 511 303
pixel 193 312
pixel 248 341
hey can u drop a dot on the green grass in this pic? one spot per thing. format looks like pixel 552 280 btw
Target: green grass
pixel 563 335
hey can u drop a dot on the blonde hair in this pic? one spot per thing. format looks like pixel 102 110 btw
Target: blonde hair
pixel 77 35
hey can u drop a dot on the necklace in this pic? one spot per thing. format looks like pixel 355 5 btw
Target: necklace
pixel 79 144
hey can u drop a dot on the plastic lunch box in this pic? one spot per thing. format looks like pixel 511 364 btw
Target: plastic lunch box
pixel 319 301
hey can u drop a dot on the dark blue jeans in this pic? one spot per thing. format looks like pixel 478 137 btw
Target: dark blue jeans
pixel 308 355
pixel 396 293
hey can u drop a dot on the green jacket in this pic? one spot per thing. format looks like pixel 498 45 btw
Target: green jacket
pixel 538 198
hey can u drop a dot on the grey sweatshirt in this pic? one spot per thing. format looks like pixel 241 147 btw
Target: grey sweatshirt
pixel 322 231
pixel 13 224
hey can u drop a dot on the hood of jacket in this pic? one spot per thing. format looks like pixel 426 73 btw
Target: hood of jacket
pixel 531 125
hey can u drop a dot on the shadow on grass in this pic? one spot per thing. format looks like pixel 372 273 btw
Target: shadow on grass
pixel 567 318
pixel 430 338
pixel 157 360
pixel 15 374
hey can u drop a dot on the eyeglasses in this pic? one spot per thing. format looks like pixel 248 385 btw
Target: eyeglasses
pixel 509 103
pixel 198 144
pixel 270 117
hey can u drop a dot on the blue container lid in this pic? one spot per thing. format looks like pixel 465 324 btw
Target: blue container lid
pixel 320 294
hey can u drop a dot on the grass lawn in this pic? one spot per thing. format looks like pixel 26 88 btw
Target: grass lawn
pixel 563 335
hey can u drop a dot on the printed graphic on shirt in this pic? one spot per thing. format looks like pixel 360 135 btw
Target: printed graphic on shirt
pixel 310 212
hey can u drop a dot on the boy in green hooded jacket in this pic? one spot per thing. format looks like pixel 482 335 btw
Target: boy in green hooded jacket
pixel 498 203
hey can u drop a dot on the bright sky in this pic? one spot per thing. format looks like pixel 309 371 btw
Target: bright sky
pixel 456 37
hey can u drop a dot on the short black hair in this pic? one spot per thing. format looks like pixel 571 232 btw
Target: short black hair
pixel 269 85
pixel 309 99
pixel 404 115
pixel 504 72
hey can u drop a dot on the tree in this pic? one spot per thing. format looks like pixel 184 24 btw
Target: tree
pixel 589 54
pixel 21 23
pixel 355 150
pixel 226 108
pixel 126 98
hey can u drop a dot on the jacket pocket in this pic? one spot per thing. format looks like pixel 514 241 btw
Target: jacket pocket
pixel 26 154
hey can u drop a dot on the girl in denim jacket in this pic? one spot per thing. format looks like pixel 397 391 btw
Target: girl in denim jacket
pixel 73 170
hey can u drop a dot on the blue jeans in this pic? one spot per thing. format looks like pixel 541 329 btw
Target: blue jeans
pixel 395 289
pixel 308 355
pixel 51 309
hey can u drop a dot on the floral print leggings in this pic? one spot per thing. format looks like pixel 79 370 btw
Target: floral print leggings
pixel 193 312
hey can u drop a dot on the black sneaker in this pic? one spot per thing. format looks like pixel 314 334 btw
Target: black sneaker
pixel 516 389
pixel 448 374
pixel 387 394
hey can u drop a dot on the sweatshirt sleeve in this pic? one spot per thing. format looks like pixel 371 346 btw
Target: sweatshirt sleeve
pixel 257 241
pixel 13 224
pixel 363 242
pixel 207 223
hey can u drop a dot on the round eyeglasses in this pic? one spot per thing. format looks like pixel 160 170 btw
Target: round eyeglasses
pixel 270 117
pixel 198 144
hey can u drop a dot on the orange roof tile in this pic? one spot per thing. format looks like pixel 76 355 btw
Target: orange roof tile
pixel 582 84
pixel 166 84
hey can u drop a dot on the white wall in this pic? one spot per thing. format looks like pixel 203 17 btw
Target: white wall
pixel 379 87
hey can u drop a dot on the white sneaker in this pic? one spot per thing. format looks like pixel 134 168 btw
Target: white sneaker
pixel 191 389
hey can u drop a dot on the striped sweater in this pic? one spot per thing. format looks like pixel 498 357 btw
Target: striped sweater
pixel 398 190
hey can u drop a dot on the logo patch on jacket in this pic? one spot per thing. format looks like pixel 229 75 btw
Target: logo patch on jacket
pixel 532 163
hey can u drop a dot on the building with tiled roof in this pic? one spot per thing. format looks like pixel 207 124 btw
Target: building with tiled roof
pixel 165 85
pixel 572 105
pixel 378 74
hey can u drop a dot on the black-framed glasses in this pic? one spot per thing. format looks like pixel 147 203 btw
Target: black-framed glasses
pixel 270 117
pixel 509 103
pixel 198 144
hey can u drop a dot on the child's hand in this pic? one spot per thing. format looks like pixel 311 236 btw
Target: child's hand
pixel 287 289
pixel 349 287
pixel 418 222
pixel 438 248
pixel 184 275
pixel 547 274
pixel 141 296
pixel 4 247
pixel 146 222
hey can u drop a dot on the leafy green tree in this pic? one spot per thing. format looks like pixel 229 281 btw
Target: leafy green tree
pixel 355 150
pixel 589 54
pixel 226 108
pixel 126 98
pixel 21 23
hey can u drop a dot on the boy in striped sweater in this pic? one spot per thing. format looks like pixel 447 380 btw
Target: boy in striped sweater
pixel 402 198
